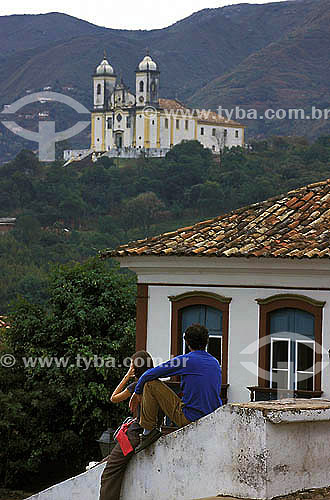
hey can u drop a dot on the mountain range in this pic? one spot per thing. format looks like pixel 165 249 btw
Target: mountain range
pixel 253 56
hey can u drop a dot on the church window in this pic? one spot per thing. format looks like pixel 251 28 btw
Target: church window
pixel 236 134
pixel 213 132
pixel 128 122
pixel 187 124
pixel 202 130
pixel 178 124
pixel 225 132
pixel 153 122
pixel 166 122
pixel 141 86
pixel 99 89
pixel 119 117
pixel 109 122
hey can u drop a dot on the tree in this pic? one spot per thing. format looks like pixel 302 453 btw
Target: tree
pixel 51 416
pixel 220 139
pixel 144 210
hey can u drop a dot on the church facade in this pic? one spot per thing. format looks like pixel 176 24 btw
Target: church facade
pixel 126 124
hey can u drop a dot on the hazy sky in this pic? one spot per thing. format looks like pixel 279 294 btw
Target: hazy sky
pixel 126 14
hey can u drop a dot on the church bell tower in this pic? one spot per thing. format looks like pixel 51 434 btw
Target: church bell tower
pixel 104 81
pixel 147 83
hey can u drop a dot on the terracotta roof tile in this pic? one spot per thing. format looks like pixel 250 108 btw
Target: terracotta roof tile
pixel 203 116
pixel 294 225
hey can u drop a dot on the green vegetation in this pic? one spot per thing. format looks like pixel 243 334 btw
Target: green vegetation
pixel 51 416
pixel 69 214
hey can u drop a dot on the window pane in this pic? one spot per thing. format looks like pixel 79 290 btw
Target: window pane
pixel 280 354
pixel 280 379
pixel 305 382
pixel 305 357
pixel 214 347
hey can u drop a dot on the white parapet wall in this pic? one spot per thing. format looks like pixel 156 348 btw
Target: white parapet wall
pixel 253 450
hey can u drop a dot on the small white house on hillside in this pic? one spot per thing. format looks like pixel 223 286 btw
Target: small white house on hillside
pixel 259 279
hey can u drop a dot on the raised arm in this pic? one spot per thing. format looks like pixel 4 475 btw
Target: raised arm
pixel 119 394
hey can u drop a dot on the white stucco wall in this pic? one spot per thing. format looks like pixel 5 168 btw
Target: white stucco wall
pixel 244 281
pixel 256 451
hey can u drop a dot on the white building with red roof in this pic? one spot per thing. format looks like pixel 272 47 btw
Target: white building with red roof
pixel 259 279
pixel 126 123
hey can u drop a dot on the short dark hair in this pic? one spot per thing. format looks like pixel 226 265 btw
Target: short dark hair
pixel 197 337
pixel 142 361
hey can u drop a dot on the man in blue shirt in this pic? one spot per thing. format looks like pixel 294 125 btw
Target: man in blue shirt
pixel 200 383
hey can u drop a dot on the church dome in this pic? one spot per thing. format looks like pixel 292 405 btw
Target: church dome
pixel 147 64
pixel 104 68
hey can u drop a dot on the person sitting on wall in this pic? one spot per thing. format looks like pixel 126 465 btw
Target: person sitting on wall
pixel 200 384
pixel 117 461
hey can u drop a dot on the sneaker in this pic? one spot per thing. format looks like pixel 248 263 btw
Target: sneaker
pixel 147 440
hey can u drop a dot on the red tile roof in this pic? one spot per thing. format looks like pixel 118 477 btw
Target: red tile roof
pixel 171 104
pixel 204 116
pixel 295 225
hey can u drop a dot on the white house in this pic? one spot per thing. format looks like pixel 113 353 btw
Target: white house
pixel 259 279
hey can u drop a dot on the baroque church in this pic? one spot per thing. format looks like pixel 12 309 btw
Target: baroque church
pixel 125 124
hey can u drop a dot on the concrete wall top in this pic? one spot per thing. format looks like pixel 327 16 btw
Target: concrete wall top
pixel 286 411
pixel 235 451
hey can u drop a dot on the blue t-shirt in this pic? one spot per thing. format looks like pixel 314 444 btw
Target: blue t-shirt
pixel 200 382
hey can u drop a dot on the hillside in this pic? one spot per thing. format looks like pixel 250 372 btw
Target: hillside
pixel 68 214
pixel 67 49
pixel 235 54
pixel 291 73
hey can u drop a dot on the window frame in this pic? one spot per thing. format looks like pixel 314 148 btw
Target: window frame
pixel 305 371
pixel 179 302
pixel 271 367
pixel 275 302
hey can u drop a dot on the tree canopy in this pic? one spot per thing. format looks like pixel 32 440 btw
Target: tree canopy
pixel 52 415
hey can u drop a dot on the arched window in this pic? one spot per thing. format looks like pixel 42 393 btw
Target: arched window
pixel 290 337
pixel 209 309
pixel 141 86
pixel 99 89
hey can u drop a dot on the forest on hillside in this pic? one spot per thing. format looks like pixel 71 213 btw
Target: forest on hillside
pixel 67 214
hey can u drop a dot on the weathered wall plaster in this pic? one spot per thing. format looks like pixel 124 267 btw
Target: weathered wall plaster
pixel 253 450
